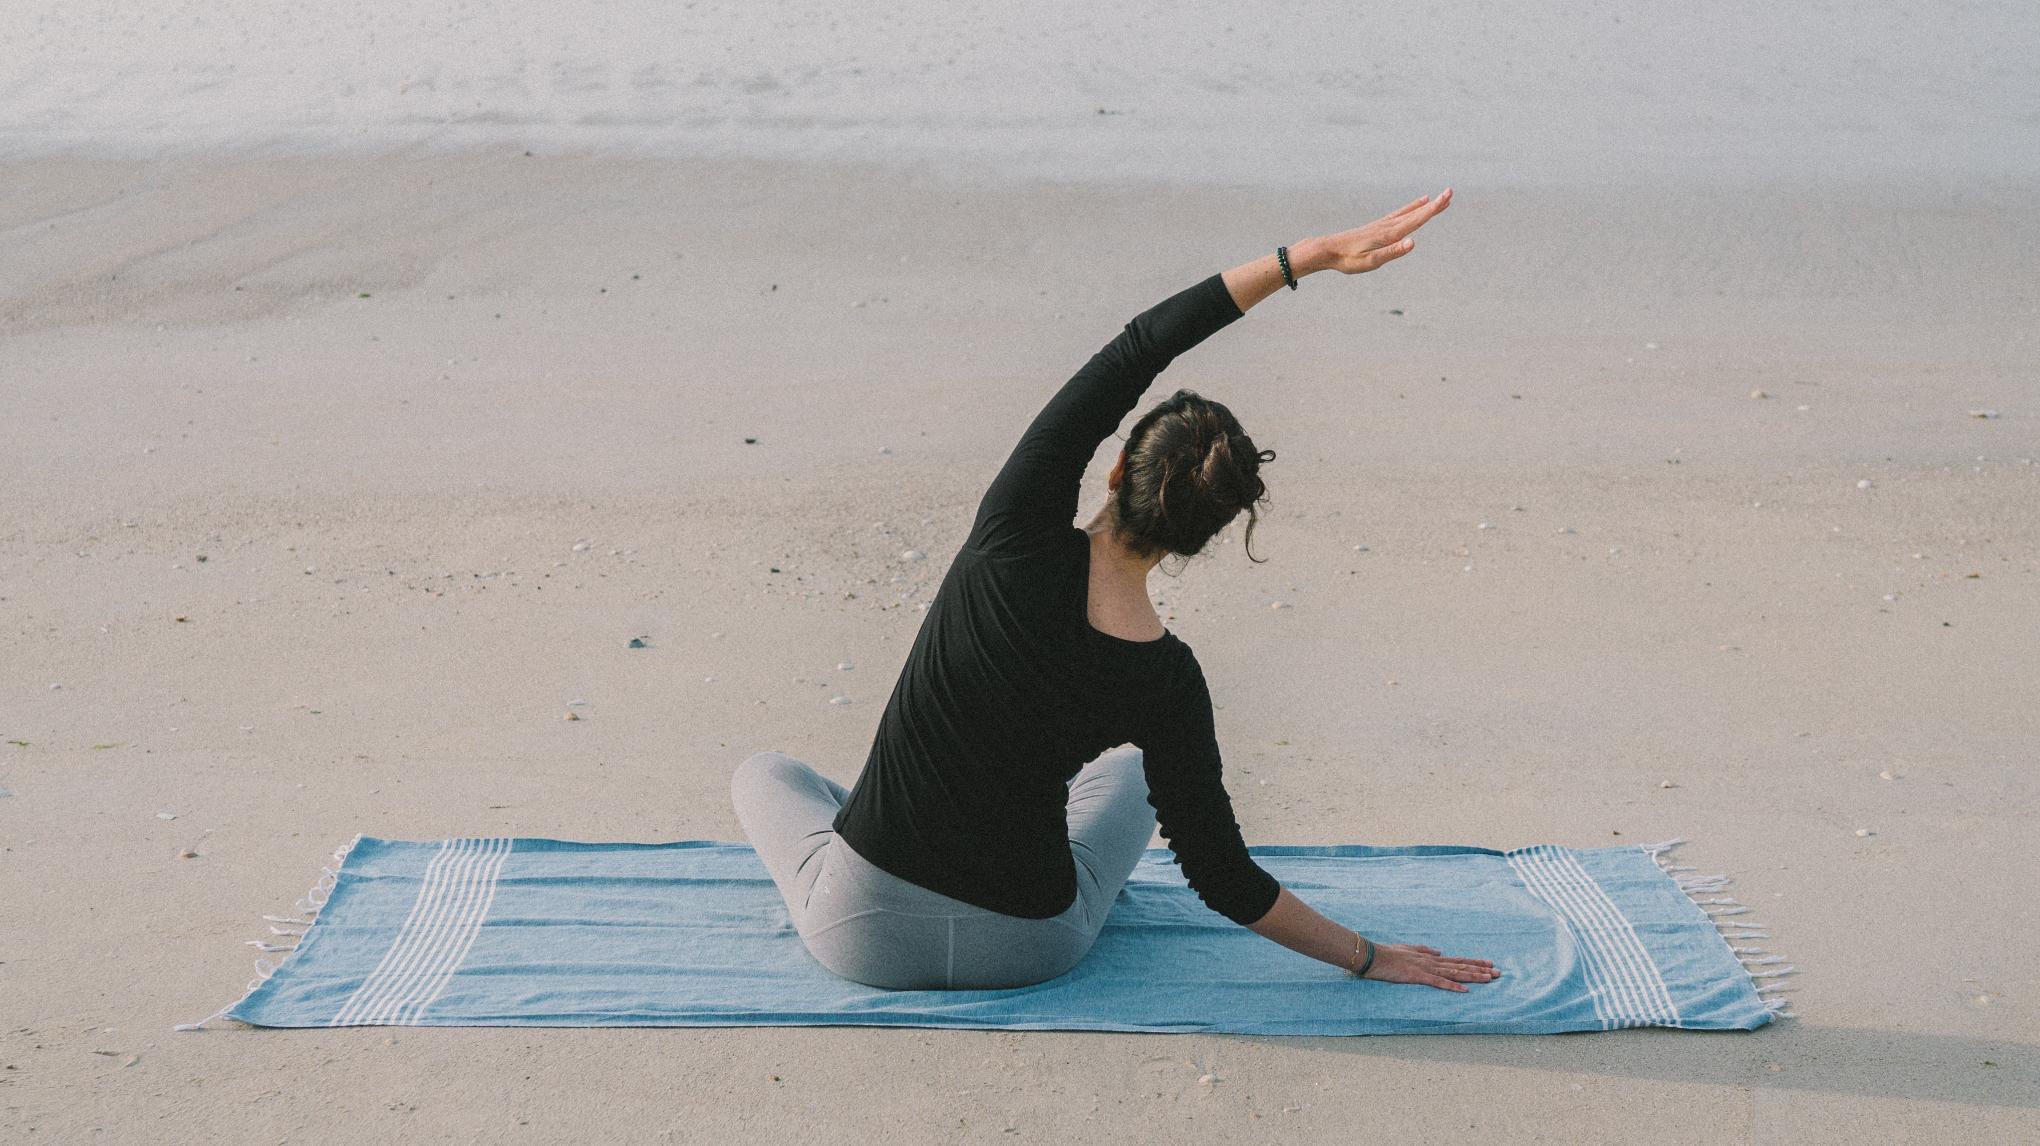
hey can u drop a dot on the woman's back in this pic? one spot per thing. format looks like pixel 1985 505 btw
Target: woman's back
pixel 1009 689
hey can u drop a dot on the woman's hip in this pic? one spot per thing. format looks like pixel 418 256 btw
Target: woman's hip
pixel 872 927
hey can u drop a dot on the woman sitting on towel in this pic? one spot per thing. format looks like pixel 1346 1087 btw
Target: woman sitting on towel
pixel 1045 719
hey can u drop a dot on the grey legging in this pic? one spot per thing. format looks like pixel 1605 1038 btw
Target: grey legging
pixel 872 927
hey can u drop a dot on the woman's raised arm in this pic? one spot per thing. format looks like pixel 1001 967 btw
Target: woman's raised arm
pixel 1350 252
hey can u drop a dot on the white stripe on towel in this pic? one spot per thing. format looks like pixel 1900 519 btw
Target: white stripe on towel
pixel 429 992
pixel 1607 975
pixel 453 902
pixel 428 890
pixel 1640 960
pixel 1617 964
pixel 412 943
pixel 454 916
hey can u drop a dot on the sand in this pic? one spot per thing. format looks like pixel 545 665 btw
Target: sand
pixel 309 407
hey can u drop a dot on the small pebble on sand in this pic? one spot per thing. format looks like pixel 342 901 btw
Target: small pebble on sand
pixel 188 854
pixel 913 555
pixel 1666 784
pixel 1865 832
pixel 580 547
pixel 839 700
pixel 166 815
pixel 844 666
pixel 1886 775
pixel 571 715
pixel 1863 484
pixel 1278 604
pixel 1983 413
pixel 1759 394
pixel 1487 525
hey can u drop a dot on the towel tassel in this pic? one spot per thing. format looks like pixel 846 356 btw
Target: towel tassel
pixel 1729 916
pixel 307 909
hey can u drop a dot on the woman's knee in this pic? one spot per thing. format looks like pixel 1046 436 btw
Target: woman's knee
pixel 766 770
pixel 1125 764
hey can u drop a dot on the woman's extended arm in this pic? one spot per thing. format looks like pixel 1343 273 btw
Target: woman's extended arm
pixel 1294 924
pixel 1351 252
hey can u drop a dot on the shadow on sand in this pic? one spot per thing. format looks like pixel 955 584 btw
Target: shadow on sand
pixel 1843 1060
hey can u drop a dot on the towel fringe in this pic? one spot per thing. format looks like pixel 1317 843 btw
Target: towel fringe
pixel 1724 911
pixel 307 909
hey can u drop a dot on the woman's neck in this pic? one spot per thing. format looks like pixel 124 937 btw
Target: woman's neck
pixel 1110 557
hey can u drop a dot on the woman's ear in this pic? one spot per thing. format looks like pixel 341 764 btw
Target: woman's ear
pixel 1118 473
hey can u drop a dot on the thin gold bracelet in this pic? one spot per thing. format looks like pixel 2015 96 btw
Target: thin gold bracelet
pixel 1358 939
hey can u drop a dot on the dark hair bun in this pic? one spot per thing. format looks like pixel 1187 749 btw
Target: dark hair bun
pixel 1190 469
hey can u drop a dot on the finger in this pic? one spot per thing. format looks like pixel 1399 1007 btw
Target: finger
pixel 1468 962
pixel 1447 984
pixel 1406 208
pixel 1402 224
pixel 1380 255
pixel 1426 950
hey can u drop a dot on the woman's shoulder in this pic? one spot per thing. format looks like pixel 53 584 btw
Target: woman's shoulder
pixel 1059 546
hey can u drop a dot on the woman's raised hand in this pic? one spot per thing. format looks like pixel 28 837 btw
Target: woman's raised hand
pixel 1410 963
pixel 1365 248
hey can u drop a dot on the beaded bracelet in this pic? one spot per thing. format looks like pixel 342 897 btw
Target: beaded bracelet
pixel 1282 256
pixel 1362 972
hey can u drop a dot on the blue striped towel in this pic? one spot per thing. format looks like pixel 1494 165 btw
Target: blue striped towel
pixel 527 932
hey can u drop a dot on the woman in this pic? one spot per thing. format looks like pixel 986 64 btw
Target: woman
pixel 1045 719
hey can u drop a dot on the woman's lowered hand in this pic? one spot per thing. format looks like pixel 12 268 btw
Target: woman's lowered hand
pixel 1427 966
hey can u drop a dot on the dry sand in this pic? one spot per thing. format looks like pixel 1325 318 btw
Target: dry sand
pixel 298 446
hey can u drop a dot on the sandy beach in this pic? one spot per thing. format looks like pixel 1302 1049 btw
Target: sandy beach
pixel 357 408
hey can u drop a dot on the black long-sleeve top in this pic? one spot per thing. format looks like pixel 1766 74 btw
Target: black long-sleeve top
pixel 1008 690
